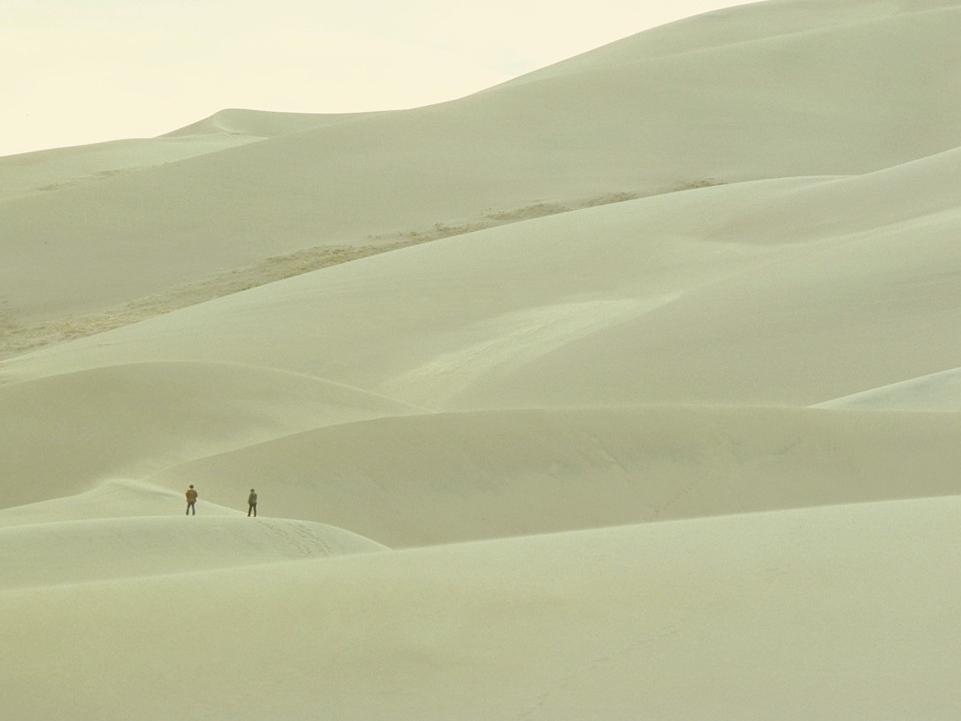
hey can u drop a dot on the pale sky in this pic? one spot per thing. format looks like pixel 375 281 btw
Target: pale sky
pixel 82 71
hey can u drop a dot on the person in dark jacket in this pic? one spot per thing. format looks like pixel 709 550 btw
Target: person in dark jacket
pixel 191 500
pixel 252 503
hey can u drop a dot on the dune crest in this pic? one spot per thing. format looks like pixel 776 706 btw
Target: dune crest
pixel 627 389
pixel 453 631
pixel 798 104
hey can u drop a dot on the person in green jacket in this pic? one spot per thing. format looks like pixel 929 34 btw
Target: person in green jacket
pixel 252 503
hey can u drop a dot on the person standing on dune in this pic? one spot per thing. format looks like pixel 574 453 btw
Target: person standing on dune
pixel 191 500
pixel 252 503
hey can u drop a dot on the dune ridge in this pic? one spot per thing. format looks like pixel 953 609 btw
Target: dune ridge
pixel 791 106
pixel 626 389
pixel 430 479
pixel 701 281
pixel 34 556
pixel 687 605
pixel 258 123
pixel 59 168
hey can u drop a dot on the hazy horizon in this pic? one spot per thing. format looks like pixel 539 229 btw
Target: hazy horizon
pixel 77 75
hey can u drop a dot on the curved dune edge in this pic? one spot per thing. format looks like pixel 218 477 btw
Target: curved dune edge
pixel 259 123
pixel 723 617
pixel 56 169
pixel 130 420
pixel 23 338
pixel 586 438
pixel 49 171
pixel 116 498
pixel 69 552
pixel 934 392
pixel 764 111
pixel 697 285
pixel 597 223
pixel 421 480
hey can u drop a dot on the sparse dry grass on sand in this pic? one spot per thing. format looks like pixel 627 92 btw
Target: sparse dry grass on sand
pixel 628 389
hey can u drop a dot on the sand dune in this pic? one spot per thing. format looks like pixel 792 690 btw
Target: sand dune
pixel 259 123
pixel 66 433
pixel 439 478
pixel 111 499
pixel 736 26
pixel 666 299
pixel 846 206
pixel 812 103
pixel 50 170
pixel 548 450
pixel 417 284
pixel 83 551
pixel 792 615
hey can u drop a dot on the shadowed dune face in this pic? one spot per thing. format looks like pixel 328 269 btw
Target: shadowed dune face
pixel 524 382
pixel 65 433
pixel 423 480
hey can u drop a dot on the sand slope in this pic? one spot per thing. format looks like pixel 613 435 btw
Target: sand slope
pixel 422 480
pixel 49 170
pixel 935 392
pixel 75 552
pixel 775 19
pixel 560 462
pixel 259 123
pixel 676 298
pixel 787 615
pixel 805 103
pixel 64 434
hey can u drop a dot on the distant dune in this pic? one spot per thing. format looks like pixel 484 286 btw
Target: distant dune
pixel 627 389
pixel 805 102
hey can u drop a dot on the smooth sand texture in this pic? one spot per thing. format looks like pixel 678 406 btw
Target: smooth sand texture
pixel 130 420
pixel 259 123
pixel 657 415
pixel 422 480
pixel 935 392
pixel 794 615
pixel 66 553
pixel 805 103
